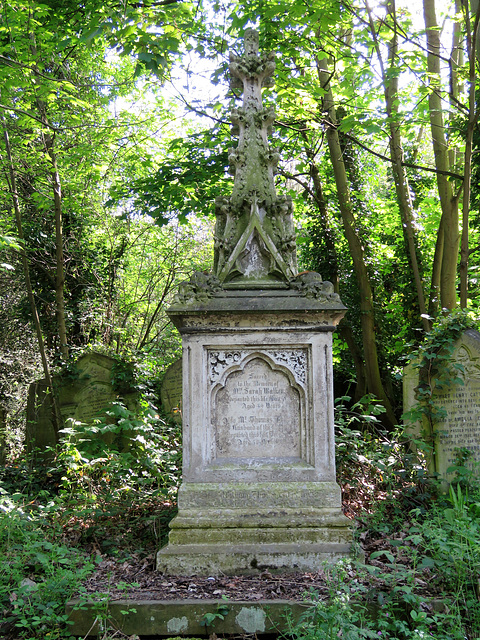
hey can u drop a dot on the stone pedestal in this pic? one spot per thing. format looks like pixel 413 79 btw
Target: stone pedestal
pixel 259 488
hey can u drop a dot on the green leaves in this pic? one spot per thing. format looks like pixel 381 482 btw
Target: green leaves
pixel 187 181
pixel 384 553
pixel 37 575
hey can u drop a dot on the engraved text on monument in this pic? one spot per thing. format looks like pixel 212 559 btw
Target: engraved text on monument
pixel 260 414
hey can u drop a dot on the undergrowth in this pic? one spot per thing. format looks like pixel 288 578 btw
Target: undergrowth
pixel 110 490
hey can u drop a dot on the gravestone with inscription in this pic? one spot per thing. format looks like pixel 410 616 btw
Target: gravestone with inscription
pixel 81 398
pixel 171 391
pixel 460 426
pixel 259 489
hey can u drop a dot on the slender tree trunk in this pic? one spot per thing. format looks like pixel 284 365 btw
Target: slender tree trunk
pixel 344 329
pixel 143 339
pixel 390 83
pixel 448 201
pixel 374 381
pixel 467 171
pixel 49 145
pixel 12 182
pixel 323 215
pixel 434 299
pixel 456 62
pixel 60 262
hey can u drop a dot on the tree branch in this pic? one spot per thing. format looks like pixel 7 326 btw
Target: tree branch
pixel 25 113
pixel 149 5
pixel 409 165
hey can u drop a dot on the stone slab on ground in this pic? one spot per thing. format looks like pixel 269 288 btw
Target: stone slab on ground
pixel 186 617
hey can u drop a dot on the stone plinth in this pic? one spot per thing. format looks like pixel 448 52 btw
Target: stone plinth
pixel 259 489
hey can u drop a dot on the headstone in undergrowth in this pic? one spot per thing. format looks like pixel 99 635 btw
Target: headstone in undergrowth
pixel 171 391
pixel 84 395
pixel 456 423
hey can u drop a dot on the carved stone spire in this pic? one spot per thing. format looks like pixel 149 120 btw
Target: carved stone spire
pixel 254 235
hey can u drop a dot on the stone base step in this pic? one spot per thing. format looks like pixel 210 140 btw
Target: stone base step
pixel 259 536
pixel 247 559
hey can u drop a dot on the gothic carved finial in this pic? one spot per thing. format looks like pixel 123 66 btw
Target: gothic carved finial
pixel 254 237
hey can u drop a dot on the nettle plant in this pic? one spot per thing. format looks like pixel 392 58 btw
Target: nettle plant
pixel 125 449
pixel 38 572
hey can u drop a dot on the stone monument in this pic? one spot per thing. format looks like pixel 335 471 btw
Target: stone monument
pixel 460 403
pixel 259 489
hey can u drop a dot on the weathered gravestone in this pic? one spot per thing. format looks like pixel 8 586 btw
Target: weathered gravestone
pixel 460 401
pixel 259 489
pixel 171 391
pixel 81 398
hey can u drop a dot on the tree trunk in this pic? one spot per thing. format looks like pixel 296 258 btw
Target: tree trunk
pixel 448 201
pixel 372 369
pixel 434 299
pixel 60 268
pixel 344 329
pixel 390 83
pixel 49 145
pixel 467 170
pixel 456 62
pixel 57 420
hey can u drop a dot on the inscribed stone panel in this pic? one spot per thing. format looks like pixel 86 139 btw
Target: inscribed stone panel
pixel 257 414
pixel 461 427
pixel 461 402
pixel 81 399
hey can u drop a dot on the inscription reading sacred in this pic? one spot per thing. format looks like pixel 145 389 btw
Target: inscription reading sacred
pixel 461 427
pixel 257 414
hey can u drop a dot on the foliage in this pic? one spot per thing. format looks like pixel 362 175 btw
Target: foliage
pixel 86 105
pixel 122 470
pixel 38 573
pixel 93 91
pixel 73 110
pixel 376 470
pixel 208 619
pixel 130 450
pixel 122 465
pixel 435 544
pixel 187 182
pixel 116 500
pixel 355 610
